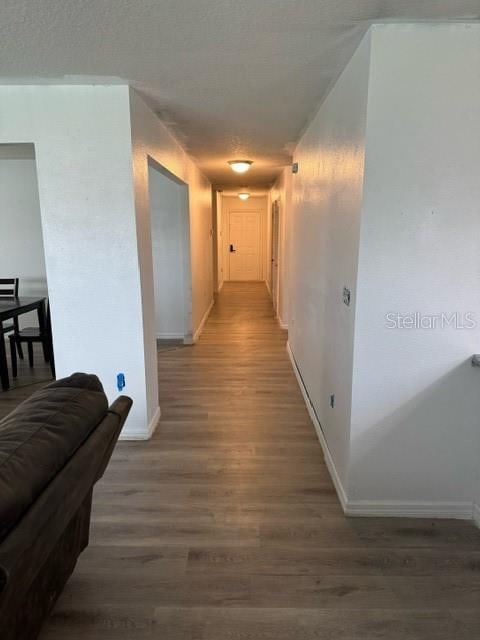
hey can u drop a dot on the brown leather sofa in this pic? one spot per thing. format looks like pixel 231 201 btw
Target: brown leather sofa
pixel 53 449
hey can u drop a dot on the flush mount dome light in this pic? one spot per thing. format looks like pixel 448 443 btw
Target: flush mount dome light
pixel 240 166
pixel 244 195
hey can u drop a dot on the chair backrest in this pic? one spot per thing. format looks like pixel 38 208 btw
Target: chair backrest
pixel 9 287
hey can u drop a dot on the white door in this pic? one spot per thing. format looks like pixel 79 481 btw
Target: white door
pixel 274 256
pixel 244 235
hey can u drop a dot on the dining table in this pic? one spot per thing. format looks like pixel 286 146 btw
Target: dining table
pixel 11 308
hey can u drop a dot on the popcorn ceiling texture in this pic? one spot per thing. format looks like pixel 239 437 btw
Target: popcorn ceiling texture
pixel 230 78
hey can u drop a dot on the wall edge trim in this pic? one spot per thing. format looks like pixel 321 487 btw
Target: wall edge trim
pixel 382 508
pixel 410 509
pixel 140 435
pixel 198 332
pixel 337 483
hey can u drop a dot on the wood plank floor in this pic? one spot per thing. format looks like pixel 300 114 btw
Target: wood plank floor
pixel 226 525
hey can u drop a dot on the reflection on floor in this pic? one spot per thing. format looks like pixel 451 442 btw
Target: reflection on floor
pixel 226 525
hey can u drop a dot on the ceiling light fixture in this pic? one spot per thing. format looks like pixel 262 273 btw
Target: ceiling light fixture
pixel 240 166
pixel 244 195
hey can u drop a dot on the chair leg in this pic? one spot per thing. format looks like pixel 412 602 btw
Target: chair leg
pixel 13 353
pixel 30 354
pixel 52 364
pixel 46 350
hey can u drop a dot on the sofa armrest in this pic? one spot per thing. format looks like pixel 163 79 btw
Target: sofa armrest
pixel 120 408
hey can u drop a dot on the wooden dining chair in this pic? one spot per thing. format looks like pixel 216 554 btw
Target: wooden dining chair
pixel 9 291
pixel 9 287
pixel 30 336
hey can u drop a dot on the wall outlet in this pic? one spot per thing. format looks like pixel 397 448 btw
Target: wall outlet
pixel 120 381
pixel 347 296
pixel 332 400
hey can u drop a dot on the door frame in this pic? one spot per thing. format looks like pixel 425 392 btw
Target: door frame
pixel 262 248
pixel 275 254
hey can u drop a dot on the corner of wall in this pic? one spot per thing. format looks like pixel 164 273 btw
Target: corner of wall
pixel 197 333
pixel 132 435
pixel 476 515
pixel 390 197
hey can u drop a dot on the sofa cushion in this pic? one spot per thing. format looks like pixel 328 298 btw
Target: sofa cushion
pixel 39 437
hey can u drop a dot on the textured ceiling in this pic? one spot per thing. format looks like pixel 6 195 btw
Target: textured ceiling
pixel 230 77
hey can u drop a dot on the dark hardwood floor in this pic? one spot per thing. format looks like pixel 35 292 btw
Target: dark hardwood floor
pixel 226 524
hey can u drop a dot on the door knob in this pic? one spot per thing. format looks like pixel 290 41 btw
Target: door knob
pixel 232 250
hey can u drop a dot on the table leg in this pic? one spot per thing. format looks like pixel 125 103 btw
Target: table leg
pixel 3 362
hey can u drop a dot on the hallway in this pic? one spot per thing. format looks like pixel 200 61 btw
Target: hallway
pixel 226 524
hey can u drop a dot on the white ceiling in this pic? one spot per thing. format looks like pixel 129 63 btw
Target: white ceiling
pixel 232 78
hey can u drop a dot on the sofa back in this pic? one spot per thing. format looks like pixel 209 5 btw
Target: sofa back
pixel 40 436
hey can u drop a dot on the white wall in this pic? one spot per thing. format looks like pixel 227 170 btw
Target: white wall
pixel 83 150
pixel 254 203
pixel 386 202
pixel 282 192
pixel 150 138
pixel 96 228
pixel 327 200
pixel 168 249
pixel 416 400
pixel 21 241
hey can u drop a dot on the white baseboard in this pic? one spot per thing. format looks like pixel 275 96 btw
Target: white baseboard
pixel 197 333
pixel 476 515
pixel 337 483
pixel 409 509
pixel 381 508
pixel 170 336
pixel 132 436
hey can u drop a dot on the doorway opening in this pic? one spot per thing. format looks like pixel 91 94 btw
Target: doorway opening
pixel 275 227
pixel 25 361
pixel 172 277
